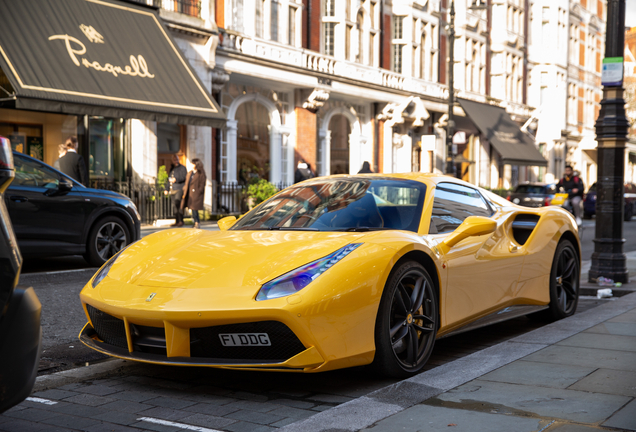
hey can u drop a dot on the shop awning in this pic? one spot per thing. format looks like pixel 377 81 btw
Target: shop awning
pixel 494 123
pixel 99 57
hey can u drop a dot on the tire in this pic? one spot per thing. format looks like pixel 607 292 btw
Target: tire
pixel 564 282
pixel 629 213
pixel 404 340
pixel 108 236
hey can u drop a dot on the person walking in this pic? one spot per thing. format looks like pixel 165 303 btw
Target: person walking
pixel 573 185
pixel 194 191
pixel 303 172
pixel 177 179
pixel 366 168
pixel 61 151
pixel 73 164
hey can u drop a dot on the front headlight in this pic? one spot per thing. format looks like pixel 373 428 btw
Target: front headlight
pixel 101 274
pixel 292 282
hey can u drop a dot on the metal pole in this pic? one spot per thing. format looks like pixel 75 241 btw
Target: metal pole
pixel 608 259
pixel 450 127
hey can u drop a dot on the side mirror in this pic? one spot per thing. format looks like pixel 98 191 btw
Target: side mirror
pixel 471 227
pixel 226 223
pixel 65 185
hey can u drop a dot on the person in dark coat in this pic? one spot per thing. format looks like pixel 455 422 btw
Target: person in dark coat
pixel 73 164
pixel 61 151
pixel 194 191
pixel 303 172
pixel 177 179
pixel 366 168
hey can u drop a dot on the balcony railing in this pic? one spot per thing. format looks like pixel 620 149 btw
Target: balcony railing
pixel 187 7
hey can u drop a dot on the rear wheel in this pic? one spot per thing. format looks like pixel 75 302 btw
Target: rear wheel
pixel 407 322
pixel 107 237
pixel 564 281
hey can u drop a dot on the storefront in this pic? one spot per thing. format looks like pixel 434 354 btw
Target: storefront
pixel 105 71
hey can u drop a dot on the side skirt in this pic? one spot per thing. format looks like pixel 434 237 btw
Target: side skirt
pixel 504 314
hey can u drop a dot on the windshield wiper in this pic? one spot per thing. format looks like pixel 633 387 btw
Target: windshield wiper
pixel 360 229
pixel 276 228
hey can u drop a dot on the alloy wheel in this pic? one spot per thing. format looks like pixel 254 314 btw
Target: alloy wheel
pixel 412 319
pixel 567 280
pixel 110 239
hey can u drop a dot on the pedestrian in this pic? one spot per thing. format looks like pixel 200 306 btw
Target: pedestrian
pixel 366 168
pixel 194 191
pixel 177 179
pixel 573 185
pixel 61 151
pixel 303 172
pixel 72 164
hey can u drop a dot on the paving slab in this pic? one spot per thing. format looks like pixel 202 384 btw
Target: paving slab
pixel 424 418
pixel 627 317
pixel 539 374
pixel 598 341
pixel 616 328
pixel 578 406
pixel 588 357
pixel 567 427
pixel 625 418
pixel 608 381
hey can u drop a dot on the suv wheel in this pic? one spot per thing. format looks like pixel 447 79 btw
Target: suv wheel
pixel 107 237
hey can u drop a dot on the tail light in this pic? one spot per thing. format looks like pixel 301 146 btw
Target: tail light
pixel 6 156
pixel 547 201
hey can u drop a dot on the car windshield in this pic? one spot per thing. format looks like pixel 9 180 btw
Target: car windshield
pixel 341 204
pixel 530 189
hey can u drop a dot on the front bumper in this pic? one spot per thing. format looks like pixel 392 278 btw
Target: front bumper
pixel 199 346
pixel 20 345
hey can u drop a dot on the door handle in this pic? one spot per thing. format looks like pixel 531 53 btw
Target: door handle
pixel 18 198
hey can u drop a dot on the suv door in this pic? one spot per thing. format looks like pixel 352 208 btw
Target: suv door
pixel 45 213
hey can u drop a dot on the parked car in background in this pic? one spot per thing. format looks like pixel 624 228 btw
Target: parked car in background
pixel 589 202
pixel 20 329
pixel 54 215
pixel 532 194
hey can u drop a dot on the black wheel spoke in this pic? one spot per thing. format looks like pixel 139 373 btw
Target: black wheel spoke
pixel 568 289
pixel 395 329
pixel 405 297
pixel 418 293
pixel 429 320
pixel 401 333
pixel 399 302
pixel 412 348
pixel 569 269
pixel 423 329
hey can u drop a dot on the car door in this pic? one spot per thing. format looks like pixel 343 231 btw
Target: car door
pixel 482 272
pixel 45 216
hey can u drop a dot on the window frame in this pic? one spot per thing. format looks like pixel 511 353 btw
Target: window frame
pixel 490 206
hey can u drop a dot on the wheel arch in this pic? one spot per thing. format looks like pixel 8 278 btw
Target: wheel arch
pixel 569 235
pixel 425 260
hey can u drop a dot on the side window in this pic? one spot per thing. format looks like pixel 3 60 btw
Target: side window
pixel 31 173
pixel 452 204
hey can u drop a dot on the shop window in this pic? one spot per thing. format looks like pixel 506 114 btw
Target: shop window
pixel 252 145
pixel 25 138
pixel 340 131
pixel 106 149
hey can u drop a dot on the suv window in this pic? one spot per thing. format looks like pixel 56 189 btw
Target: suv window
pixel 31 173
pixel 452 204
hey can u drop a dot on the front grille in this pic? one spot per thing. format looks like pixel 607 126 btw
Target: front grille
pixel 109 329
pixel 205 342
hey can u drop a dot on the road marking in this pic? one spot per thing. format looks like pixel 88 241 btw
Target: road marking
pixel 40 400
pixel 177 425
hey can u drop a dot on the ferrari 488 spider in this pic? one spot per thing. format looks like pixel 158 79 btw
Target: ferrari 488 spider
pixel 335 272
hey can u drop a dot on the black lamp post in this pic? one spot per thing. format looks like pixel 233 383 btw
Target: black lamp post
pixel 608 259
pixel 450 126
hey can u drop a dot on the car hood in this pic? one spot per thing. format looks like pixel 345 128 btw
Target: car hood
pixel 221 259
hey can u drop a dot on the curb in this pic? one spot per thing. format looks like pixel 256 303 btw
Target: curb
pixel 92 372
pixel 385 402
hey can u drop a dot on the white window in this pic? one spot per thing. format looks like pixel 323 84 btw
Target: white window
pixel 259 18
pixel 236 19
pixel 273 24
pixel 291 26
pixel 330 30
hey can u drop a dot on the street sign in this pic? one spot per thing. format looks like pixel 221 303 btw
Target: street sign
pixel 612 74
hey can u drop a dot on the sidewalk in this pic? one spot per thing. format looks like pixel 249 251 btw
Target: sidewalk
pixel 574 375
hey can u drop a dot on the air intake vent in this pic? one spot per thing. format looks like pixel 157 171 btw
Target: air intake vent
pixel 109 329
pixel 522 227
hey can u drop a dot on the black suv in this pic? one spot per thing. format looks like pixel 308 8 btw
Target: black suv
pixel 20 329
pixel 54 215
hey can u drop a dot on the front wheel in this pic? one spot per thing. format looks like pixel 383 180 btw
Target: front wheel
pixel 564 281
pixel 407 322
pixel 107 237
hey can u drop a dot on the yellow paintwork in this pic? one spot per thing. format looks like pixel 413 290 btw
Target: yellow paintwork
pixel 204 278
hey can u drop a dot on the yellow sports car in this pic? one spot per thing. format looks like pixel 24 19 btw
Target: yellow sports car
pixel 335 272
